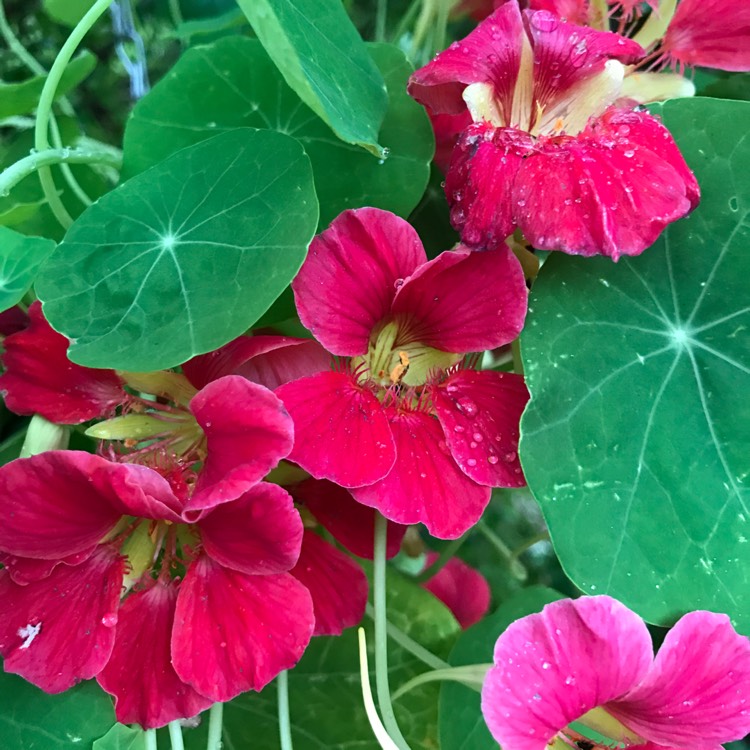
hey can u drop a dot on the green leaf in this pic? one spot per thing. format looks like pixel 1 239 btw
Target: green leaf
pixel 33 720
pixel 67 12
pixel 637 436
pixel 121 737
pixel 233 83
pixel 462 726
pixel 22 98
pixel 20 259
pixel 184 257
pixel 322 58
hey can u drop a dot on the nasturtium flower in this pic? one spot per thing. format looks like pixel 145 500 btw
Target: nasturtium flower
pixel 550 151
pixel 589 664
pixel 400 421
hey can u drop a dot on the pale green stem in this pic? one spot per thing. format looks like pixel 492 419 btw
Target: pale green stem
pixel 381 635
pixel 446 555
pixel 438 39
pixel 17 48
pixel 518 551
pixel 406 20
pixel 381 16
pixel 149 739
pixel 472 676
pixel 516 566
pixel 285 728
pixel 175 735
pixel 44 111
pixel 656 24
pixel 57 142
pixel 44 159
pixel 215 724
pixel 176 12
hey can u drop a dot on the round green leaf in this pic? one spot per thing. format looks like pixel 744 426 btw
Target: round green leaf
pixel 233 83
pixel 184 257
pixel 636 441
pixel 20 258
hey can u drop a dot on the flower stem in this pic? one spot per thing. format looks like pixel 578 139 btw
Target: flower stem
pixel 149 739
pixel 285 729
pixel 44 111
pixel 372 715
pixel 446 555
pixel 381 15
pixel 215 723
pixel 381 635
pixel 17 48
pixel 517 568
pixel 175 735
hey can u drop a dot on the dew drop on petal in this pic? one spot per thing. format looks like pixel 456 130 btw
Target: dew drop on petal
pixel 570 680
pixel 509 457
pixel 546 665
pixel 492 459
pixel 458 428
pixel 471 461
pixel 109 621
pixel 478 437
pixel 544 21
pixel 467 406
pixel 398 283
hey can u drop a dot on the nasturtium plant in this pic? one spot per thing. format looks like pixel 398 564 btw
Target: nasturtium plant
pixel 20 259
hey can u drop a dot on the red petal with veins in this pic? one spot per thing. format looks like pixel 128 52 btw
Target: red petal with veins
pixel 259 533
pixel 451 307
pixel 447 129
pixel 139 673
pixel 26 570
pixel 351 523
pixel 348 280
pixel 341 431
pixel 248 431
pixel 480 413
pixel 40 379
pixel 267 360
pixel 425 485
pixel 338 585
pixel 60 630
pixel 234 632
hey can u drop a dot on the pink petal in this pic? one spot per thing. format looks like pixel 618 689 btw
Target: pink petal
pixel 462 589
pixel 267 360
pixel 26 570
pixel 338 585
pixel 259 533
pixel 139 673
pixel 248 432
pixel 235 632
pixel 341 431
pixel 143 492
pixel 40 379
pixel 447 129
pixel 13 320
pixel 710 33
pixel 348 280
pixel 697 693
pixel 425 485
pixel 572 11
pixel 554 666
pixel 60 629
pixel 351 523
pixel 451 307
pixel 480 413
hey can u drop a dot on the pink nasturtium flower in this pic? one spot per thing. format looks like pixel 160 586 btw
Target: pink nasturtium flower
pixel 548 151
pixel 591 661
pixel 400 422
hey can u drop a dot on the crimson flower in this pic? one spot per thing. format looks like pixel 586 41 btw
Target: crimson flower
pixel 548 151
pixel 591 661
pixel 400 422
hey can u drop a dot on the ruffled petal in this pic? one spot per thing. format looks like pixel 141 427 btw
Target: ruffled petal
pixel 425 485
pixel 341 431
pixel 26 570
pixel 338 585
pixel 480 413
pixel 351 523
pixel 447 129
pixel 347 282
pixel 267 360
pixel 235 632
pixel 554 666
pixel 40 379
pixel 462 589
pixel 139 672
pixel 259 533
pixel 248 431
pixel 60 630
pixel 452 308
pixel 697 692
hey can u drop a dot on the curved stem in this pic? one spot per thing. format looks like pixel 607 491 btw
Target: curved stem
pixel 381 635
pixel 215 723
pixel 446 555
pixel 285 729
pixel 175 735
pixel 44 159
pixel 17 48
pixel 44 111
pixel 149 739
pixel 517 568
pixel 57 142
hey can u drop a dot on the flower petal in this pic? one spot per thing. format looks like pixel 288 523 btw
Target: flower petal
pixel 697 692
pixel 235 632
pixel 341 431
pixel 40 379
pixel 259 533
pixel 554 666
pixel 60 630
pixel 248 432
pixel 26 570
pixel 480 413
pixel 338 585
pixel 425 485
pixel 447 129
pixel 347 282
pixel 147 690
pixel 451 307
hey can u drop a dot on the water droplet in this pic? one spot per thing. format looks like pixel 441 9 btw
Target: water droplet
pixel 472 444
pixel 492 459
pixel 478 437
pixel 398 283
pixel 546 665
pixel 536 697
pixel 467 406
pixel 423 475
pixel 623 130
pixel 471 462
pixel 223 644
pixel 511 456
pixel 570 680
pixel 734 203
pixel 110 620
pixel 544 21
pixel 628 154
pixel 458 428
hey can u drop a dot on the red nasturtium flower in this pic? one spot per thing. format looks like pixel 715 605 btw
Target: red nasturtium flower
pixel 548 151
pixel 591 661
pixel 400 422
